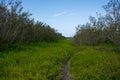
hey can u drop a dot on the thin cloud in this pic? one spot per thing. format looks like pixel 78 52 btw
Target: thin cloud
pixel 64 14
pixel 71 14
pixel 60 14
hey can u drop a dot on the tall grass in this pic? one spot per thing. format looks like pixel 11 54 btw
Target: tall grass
pixel 37 61
pixel 96 63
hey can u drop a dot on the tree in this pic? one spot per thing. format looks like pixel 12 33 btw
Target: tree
pixel 17 26
pixel 112 18
pixel 103 29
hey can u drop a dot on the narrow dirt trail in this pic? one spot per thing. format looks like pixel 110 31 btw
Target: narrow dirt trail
pixel 66 69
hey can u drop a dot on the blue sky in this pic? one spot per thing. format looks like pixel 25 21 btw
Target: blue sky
pixel 63 15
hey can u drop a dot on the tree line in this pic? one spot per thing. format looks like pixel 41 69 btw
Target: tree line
pixel 103 29
pixel 17 26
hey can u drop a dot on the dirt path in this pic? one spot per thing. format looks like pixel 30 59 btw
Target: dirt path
pixel 66 75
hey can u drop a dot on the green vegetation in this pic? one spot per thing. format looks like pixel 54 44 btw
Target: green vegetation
pixel 97 59
pixel 37 61
pixel 96 63
pixel 44 61
pixel 32 50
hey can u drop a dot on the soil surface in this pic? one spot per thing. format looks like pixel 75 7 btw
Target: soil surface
pixel 66 74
